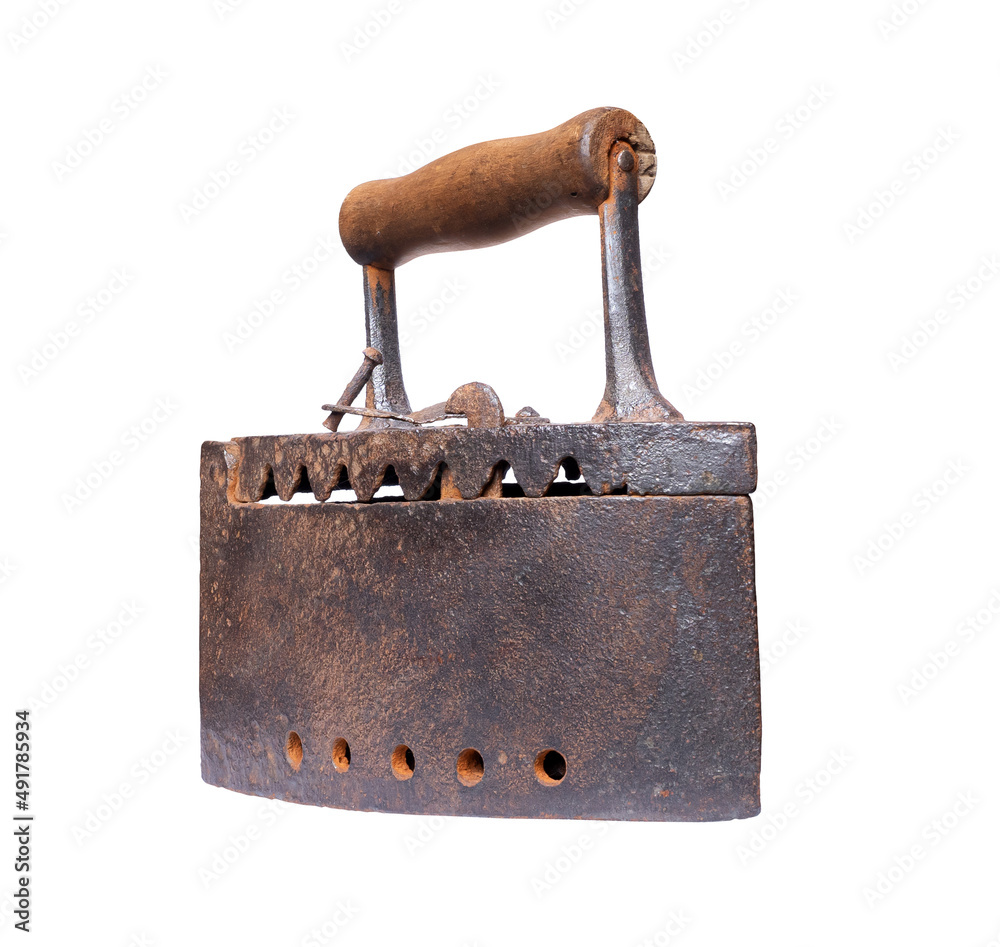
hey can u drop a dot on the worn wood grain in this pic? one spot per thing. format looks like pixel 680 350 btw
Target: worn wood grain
pixel 492 192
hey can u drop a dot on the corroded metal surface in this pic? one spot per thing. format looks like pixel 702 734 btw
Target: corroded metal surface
pixel 674 458
pixel 372 359
pixel 616 634
pixel 483 646
pixel 630 392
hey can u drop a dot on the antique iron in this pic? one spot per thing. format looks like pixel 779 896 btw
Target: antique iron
pixel 583 647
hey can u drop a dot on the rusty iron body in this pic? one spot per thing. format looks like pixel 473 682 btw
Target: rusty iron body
pixel 576 646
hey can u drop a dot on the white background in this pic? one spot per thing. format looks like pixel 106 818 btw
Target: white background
pixel 870 559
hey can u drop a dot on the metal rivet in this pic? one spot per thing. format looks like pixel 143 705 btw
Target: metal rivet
pixel 626 159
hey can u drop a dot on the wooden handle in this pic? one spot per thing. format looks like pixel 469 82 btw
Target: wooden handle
pixel 492 192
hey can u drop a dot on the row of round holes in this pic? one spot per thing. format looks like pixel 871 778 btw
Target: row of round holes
pixel 550 765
